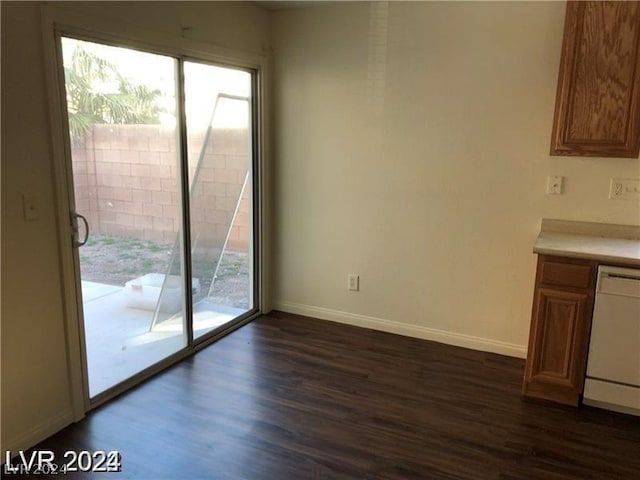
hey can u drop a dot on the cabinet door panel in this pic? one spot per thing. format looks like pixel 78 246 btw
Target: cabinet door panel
pixel 560 313
pixel 598 99
pixel 558 344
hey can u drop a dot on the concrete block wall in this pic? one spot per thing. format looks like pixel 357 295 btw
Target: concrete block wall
pixel 126 183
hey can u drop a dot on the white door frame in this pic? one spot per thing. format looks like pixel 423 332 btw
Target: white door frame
pixel 57 21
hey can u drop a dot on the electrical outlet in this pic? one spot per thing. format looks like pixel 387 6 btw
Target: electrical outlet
pixel 353 282
pixel 624 189
pixel 554 185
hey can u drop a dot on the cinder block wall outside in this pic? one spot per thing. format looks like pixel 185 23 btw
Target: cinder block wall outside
pixel 126 183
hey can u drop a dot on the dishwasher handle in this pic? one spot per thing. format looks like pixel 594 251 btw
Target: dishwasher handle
pixel 619 281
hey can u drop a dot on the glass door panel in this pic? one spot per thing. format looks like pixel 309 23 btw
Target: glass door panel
pixel 130 175
pixel 220 152
pixel 126 173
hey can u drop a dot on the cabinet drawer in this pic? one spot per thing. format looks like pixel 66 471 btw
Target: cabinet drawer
pixel 563 274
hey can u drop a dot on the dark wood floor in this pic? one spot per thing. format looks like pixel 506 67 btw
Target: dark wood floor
pixel 289 397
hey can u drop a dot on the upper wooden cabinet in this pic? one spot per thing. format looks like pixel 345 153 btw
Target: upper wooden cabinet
pixel 598 100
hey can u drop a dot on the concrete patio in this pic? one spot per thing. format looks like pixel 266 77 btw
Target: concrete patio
pixel 118 339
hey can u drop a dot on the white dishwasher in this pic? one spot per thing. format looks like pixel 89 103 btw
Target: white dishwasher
pixel 613 365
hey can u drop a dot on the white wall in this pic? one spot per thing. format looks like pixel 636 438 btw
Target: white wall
pixel 411 147
pixel 36 400
pixel 35 387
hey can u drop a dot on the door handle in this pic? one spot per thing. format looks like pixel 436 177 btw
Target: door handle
pixel 78 243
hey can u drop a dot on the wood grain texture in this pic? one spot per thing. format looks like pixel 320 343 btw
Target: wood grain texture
pixel 598 99
pixel 559 341
pixel 289 397
pixel 562 274
pixel 560 329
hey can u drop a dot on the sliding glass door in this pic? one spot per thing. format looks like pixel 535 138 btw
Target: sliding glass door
pixel 219 136
pixel 163 196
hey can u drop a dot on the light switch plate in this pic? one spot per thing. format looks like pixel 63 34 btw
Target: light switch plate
pixel 554 185
pixel 29 209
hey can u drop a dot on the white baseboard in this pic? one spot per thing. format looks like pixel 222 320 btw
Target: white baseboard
pixel 426 333
pixel 36 434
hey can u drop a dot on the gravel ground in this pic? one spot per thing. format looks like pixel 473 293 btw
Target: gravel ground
pixel 116 260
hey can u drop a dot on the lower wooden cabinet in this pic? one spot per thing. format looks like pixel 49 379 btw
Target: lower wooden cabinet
pixel 560 329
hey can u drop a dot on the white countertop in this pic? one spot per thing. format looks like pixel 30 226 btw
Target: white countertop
pixel 617 244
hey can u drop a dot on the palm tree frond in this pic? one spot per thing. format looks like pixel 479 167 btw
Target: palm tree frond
pixel 87 105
